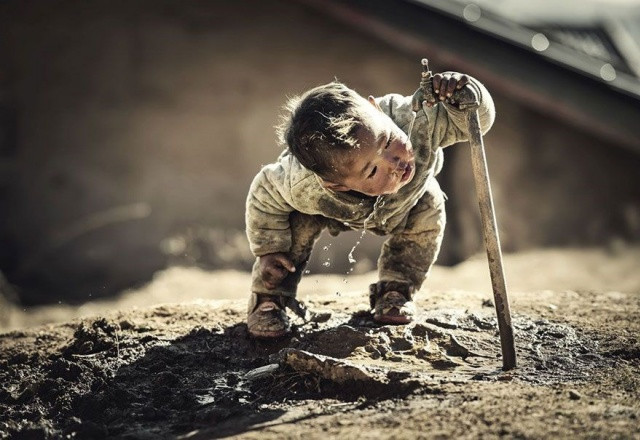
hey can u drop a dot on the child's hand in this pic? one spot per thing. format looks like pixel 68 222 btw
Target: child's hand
pixel 445 84
pixel 274 268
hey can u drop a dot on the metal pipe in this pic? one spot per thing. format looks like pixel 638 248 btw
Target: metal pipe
pixel 467 101
pixel 491 240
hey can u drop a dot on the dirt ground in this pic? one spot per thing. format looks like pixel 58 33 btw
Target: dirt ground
pixel 133 368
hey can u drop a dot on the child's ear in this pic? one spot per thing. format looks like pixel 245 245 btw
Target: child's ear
pixel 373 102
pixel 334 186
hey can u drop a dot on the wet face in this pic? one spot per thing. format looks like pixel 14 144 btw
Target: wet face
pixel 384 161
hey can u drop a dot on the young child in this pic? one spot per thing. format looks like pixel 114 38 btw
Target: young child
pixel 342 151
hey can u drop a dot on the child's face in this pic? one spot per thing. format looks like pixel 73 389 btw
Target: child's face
pixel 384 161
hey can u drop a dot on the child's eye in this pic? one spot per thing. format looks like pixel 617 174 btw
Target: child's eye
pixel 373 172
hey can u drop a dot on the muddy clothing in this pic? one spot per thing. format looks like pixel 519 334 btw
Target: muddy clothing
pixel 288 207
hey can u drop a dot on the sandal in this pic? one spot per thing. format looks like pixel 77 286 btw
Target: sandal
pixel 267 318
pixel 391 302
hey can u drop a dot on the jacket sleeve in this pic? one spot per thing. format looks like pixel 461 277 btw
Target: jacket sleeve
pixel 443 124
pixel 448 123
pixel 267 211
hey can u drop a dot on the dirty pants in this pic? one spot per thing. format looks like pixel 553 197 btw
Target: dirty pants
pixel 406 256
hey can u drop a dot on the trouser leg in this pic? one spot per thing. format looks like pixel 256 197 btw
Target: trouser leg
pixel 305 230
pixel 407 256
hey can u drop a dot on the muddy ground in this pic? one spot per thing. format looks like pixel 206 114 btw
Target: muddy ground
pixel 188 370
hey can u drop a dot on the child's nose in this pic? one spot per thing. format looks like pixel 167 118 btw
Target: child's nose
pixel 390 156
pixel 396 153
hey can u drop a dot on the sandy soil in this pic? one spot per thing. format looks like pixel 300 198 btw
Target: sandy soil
pixel 186 368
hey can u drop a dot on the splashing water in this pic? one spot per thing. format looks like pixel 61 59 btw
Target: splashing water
pixel 376 205
pixel 350 257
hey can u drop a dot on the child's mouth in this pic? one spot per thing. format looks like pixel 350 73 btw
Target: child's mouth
pixel 407 173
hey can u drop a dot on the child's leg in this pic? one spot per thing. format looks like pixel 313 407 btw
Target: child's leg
pixel 305 230
pixel 270 320
pixel 407 256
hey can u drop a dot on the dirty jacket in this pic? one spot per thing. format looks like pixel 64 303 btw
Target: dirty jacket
pixel 286 186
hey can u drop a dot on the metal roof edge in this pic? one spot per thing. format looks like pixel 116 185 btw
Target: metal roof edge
pixel 493 25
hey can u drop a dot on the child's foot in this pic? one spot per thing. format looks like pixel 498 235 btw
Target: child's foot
pixel 268 319
pixel 391 302
pixel 394 308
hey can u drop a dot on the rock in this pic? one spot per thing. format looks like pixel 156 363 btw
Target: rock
pixel 574 395
pixel 456 348
pixel 260 372
pixel 335 370
pixel 339 342
pixel 126 325
pixel 321 315
pixel 399 337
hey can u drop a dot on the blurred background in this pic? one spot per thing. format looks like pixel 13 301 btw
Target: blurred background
pixel 130 131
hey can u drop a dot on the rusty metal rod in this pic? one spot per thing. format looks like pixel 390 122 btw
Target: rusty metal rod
pixel 491 240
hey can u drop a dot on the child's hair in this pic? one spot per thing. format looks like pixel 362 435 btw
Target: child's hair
pixel 321 124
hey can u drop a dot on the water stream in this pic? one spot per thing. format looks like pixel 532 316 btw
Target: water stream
pixel 376 205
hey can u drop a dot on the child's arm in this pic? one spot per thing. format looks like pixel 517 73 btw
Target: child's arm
pixel 440 124
pixel 267 211
pixel 449 121
pixel 267 223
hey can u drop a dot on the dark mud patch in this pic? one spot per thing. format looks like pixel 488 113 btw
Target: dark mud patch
pixel 121 378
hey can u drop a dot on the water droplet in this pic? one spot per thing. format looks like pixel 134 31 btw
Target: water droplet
pixel 338 293
pixel 346 223
pixel 307 272
pixel 326 263
pixel 344 280
pixel 326 248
